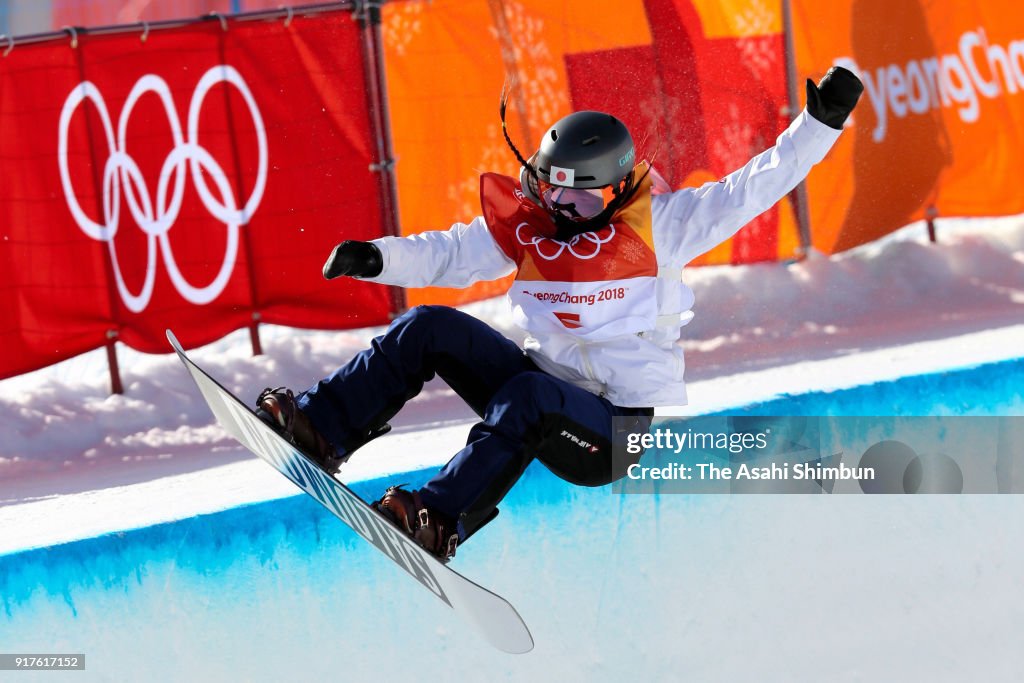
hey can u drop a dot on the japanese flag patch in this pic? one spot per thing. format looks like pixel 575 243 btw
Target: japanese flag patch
pixel 563 176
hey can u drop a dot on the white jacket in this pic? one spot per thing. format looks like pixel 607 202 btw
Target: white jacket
pixel 637 369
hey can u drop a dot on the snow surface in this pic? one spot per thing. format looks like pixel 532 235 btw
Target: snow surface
pixel 895 307
pixel 646 587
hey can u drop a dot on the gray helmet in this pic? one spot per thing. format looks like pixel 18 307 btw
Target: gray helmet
pixel 585 150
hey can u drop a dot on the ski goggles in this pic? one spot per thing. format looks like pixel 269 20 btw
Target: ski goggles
pixel 576 204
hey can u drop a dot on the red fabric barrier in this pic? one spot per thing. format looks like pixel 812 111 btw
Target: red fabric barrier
pixel 708 101
pixel 188 181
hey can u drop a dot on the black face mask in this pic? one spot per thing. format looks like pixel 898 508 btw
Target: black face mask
pixel 566 228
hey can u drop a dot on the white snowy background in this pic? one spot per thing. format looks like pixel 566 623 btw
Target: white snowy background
pixel 847 588
pixel 896 307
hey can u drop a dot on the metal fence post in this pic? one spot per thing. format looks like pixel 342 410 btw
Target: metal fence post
pixel 368 14
pixel 799 194
pixel 254 319
pixel 112 334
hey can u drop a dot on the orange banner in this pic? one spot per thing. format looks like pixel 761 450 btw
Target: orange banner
pixel 938 129
pixel 701 84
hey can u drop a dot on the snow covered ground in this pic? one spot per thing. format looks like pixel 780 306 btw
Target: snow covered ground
pixel 899 306
pixel 702 588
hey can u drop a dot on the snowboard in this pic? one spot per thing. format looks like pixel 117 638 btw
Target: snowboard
pixel 492 615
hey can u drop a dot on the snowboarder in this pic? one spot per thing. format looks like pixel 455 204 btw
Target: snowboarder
pixel 598 244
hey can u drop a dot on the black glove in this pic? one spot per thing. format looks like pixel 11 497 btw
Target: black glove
pixel 355 259
pixel 832 100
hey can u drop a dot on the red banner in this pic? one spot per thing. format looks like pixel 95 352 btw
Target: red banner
pixel 707 94
pixel 194 180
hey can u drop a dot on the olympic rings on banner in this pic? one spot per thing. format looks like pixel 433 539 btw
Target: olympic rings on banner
pixel 157 215
pixel 587 237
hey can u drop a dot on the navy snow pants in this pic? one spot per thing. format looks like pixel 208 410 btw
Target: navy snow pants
pixel 525 413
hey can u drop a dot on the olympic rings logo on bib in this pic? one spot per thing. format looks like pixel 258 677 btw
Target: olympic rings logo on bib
pixel 583 239
pixel 156 216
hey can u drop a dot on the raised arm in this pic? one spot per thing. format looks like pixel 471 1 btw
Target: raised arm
pixel 691 221
pixel 457 257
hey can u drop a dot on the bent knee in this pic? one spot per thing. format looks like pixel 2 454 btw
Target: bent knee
pixel 594 478
pixel 426 322
pixel 426 313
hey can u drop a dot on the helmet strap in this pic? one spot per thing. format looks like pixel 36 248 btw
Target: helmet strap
pixel 567 228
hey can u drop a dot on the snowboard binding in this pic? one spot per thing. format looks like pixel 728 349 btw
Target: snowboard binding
pixel 433 531
pixel 278 408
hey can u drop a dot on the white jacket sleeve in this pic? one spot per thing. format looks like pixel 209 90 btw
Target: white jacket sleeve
pixel 457 257
pixel 691 221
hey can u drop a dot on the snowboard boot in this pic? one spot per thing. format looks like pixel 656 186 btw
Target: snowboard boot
pixel 435 532
pixel 277 407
